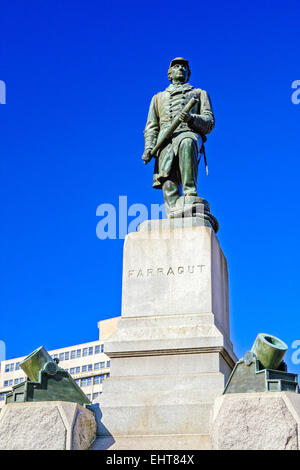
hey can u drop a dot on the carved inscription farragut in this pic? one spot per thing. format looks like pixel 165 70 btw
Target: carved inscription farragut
pixel 165 271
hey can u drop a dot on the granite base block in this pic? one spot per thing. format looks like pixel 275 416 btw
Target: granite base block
pixel 256 421
pixel 53 425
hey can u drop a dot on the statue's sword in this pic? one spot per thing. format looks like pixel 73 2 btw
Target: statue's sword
pixel 204 156
pixel 165 137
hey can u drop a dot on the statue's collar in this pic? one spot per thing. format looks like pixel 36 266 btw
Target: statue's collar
pixel 178 88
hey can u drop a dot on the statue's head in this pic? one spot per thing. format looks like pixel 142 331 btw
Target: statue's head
pixel 179 70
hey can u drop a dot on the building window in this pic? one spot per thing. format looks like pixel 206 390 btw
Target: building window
pixel 16 381
pixel 77 381
pixel 78 353
pixel 102 365
pixel 108 364
pixel 62 356
pixel 84 382
pixel 55 356
pixel 97 366
pixel 84 368
pixel 91 350
pixel 102 347
pixel 73 354
pixel 2 395
pixel 85 351
pixel 67 356
pixel 72 370
pixel 90 367
pixel 97 349
pixel 9 367
pixel 77 370
pixel 102 378
pixel 107 375
pixel 89 381
pixel 5 383
pixel 96 379
pixel 17 366
pixel 95 395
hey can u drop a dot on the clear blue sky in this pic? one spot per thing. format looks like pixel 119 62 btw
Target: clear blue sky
pixel 80 76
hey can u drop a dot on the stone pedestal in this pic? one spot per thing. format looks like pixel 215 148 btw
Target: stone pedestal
pixel 50 425
pixel 256 421
pixel 171 354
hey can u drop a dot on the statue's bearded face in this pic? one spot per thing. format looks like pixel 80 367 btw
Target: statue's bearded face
pixel 179 73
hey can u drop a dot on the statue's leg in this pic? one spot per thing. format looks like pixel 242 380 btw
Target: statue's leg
pixel 171 193
pixel 188 166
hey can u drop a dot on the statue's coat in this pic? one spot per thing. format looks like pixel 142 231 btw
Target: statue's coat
pixel 164 107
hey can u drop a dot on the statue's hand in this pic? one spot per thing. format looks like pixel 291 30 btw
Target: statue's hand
pixel 185 117
pixel 147 156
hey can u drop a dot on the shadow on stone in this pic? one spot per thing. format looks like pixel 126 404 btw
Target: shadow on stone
pixel 104 440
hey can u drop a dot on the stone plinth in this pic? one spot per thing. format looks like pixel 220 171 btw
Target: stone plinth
pixel 171 354
pixel 175 272
pixel 256 421
pixel 51 425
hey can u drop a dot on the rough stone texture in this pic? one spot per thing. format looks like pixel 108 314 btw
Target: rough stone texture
pixel 256 421
pixel 171 353
pixel 32 428
pixel 84 430
pixel 46 426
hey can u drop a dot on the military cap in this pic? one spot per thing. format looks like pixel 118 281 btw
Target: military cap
pixel 179 60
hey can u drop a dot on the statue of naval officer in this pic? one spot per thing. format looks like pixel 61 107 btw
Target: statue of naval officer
pixel 176 162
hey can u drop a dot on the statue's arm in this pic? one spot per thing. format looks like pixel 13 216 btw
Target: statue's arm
pixel 204 122
pixel 152 126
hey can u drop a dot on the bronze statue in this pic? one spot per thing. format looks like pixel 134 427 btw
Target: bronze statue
pixel 187 112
